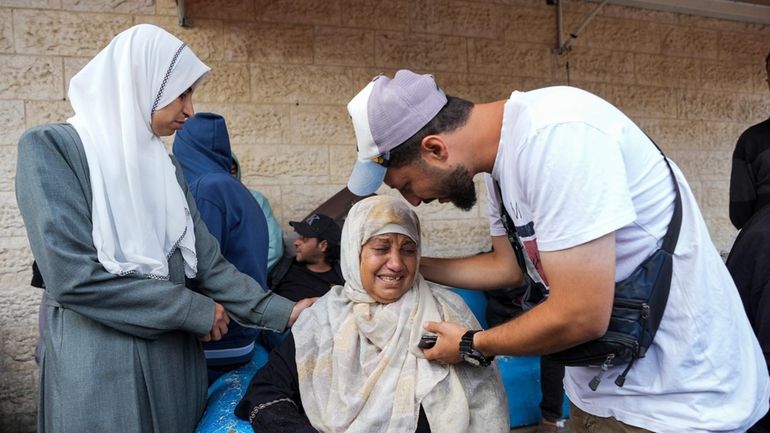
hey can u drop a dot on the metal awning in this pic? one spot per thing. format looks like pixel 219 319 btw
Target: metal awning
pixel 752 11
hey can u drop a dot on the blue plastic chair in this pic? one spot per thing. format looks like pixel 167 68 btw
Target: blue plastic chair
pixel 224 395
pixel 520 374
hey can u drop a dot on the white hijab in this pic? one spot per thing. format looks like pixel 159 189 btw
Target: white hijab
pixel 358 363
pixel 139 211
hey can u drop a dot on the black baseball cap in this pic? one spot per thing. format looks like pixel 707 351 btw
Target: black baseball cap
pixel 318 226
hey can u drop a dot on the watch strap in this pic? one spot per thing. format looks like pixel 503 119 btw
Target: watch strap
pixel 470 354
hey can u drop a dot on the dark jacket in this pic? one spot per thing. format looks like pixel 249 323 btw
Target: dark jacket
pixel 750 177
pixel 227 207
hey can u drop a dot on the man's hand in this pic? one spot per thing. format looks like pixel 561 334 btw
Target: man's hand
pixel 298 308
pixel 447 348
pixel 219 328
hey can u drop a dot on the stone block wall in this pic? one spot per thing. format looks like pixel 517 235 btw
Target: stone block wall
pixel 283 70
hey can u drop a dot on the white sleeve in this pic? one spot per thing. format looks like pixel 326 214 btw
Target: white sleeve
pixel 496 227
pixel 575 183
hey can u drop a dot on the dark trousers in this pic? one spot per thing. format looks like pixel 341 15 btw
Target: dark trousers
pixel 501 307
pixel 552 385
pixel 584 422
pixel 762 426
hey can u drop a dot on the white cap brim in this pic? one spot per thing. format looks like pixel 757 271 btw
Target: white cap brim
pixel 366 178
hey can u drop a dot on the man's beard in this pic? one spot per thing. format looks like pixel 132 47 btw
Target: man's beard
pixel 457 186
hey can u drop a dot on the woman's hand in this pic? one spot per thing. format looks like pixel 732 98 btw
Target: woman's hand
pixel 299 307
pixel 219 328
pixel 447 348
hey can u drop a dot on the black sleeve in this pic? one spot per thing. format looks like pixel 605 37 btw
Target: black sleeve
pixel 743 189
pixel 760 317
pixel 747 264
pixel 272 403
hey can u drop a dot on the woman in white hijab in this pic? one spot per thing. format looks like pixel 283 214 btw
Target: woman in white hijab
pixel 115 236
pixel 352 364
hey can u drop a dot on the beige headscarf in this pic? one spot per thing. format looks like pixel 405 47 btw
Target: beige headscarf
pixel 358 363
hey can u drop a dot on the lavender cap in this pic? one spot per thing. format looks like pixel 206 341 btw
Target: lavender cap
pixel 385 114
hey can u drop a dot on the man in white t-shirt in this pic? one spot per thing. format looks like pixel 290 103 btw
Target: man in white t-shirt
pixel 590 197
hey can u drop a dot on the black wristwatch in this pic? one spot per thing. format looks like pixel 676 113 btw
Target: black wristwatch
pixel 469 354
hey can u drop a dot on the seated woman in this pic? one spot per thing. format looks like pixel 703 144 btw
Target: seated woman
pixel 352 363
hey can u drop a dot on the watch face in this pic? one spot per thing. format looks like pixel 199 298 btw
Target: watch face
pixel 471 360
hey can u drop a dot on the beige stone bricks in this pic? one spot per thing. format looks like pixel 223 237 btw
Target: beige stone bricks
pixel 300 200
pixel 602 66
pixel 693 136
pixel 704 165
pixel 7 175
pixel 637 101
pixel 286 165
pixel 34 4
pixel 205 38
pixel 11 122
pixel 455 238
pixel 40 112
pixel 6 31
pixel 667 71
pixel 729 76
pixel 291 84
pixel 691 42
pixel 374 14
pixel 626 35
pixel 321 125
pixel 227 82
pixel 165 7
pixel 478 87
pixel 122 6
pixel 268 43
pixel 30 77
pixel 464 18
pixel 11 224
pixel 15 262
pixel 73 65
pixel 320 12
pixel 227 9
pixel 343 46
pixel 529 25
pixel 753 107
pixel 420 51
pixel 252 124
pixel 743 47
pixel 509 58
pixel 341 160
pixel 65 33
pixel 699 104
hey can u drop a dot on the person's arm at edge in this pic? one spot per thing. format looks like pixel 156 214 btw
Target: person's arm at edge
pixel 493 270
pixel 582 284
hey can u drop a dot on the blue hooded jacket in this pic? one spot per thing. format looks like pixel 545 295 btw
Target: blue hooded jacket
pixel 231 214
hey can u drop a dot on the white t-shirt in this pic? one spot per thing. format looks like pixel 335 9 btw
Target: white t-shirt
pixel 573 168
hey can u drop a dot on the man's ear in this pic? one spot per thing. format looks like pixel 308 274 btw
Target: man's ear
pixel 323 245
pixel 433 148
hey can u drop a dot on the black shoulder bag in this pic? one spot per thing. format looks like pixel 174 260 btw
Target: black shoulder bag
pixel 637 308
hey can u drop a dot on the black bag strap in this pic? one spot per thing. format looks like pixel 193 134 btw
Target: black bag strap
pixel 672 234
pixel 669 240
pixel 510 230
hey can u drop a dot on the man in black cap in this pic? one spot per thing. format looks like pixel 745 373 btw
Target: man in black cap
pixel 314 269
